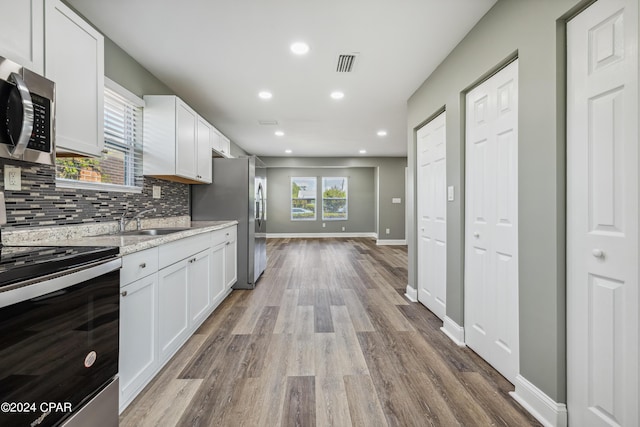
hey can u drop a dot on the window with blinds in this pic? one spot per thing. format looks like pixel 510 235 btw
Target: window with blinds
pixel 120 166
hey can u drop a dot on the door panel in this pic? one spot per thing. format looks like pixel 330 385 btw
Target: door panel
pixel 602 215
pixel 432 214
pixel 491 224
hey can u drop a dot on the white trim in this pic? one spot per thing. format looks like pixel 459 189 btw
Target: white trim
pixel 411 294
pixel 453 331
pixel 549 412
pixel 97 186
pixel 124 92
pixel 319 235
pixel 391 242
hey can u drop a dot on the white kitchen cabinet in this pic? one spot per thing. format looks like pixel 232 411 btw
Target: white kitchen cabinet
pixel 199 278
pixel 173 148
pixel 231 258
pixel 221 143
pixel 203 151
pixel 74 60
pixel 217 282
pixel 173 305
pixel 22 33
pixel 138 359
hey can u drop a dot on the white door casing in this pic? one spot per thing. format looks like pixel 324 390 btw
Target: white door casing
pixel 432 214
pixel 602 215
pixel 491 221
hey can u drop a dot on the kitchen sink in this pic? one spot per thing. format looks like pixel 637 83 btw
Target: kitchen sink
pixel 153 231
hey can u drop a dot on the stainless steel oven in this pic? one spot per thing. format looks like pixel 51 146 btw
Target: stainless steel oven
pixel 59 323
pixel 27 114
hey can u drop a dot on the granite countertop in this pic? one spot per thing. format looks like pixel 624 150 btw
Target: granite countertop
pixel 127 244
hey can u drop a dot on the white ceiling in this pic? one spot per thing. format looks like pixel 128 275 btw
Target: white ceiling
pixel 217 55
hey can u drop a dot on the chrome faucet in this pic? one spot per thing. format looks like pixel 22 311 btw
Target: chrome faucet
pixel 124 222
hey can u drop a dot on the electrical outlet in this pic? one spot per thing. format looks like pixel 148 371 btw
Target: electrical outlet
pixel 157 191
pixel 344 228
pixel 324 225
pixel 12 178
pixel 388 231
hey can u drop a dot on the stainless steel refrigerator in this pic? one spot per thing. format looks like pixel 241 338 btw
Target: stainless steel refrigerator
pixel 238 191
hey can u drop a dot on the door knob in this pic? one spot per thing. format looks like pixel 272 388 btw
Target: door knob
pixel 597 253
pixel 476 234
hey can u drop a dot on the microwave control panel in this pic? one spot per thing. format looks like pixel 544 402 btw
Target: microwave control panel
pixel 41 135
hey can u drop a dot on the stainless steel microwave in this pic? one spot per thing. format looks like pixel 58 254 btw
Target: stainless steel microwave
pixel 27 114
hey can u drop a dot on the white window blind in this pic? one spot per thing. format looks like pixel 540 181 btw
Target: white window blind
pixel 120 166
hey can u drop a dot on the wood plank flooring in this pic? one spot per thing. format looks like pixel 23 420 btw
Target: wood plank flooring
pixel 326 339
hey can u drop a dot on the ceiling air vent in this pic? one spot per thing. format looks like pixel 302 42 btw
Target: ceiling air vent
pixel 268 122
pixel 346 63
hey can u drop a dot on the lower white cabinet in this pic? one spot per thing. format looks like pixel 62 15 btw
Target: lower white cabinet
pixel 199 279
pixel 231 259
pixel 173 324
pixel 166 293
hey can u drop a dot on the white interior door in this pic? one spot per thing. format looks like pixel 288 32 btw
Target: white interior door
pixel 491 221
pixel 602 215
pixel 432 215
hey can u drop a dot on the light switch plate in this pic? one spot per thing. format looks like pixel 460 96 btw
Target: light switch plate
pixel 450 193
pixel 396 200
pixel 157 192
pixel 12 178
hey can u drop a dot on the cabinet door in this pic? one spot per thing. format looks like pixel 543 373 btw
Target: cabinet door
pixel 225 147
pixel 138 352
pixel 74 60
pixel 230 263
pixel 199 269
pixel 173 308
pixel 203 161
pixel 185 140
pixel 217 282
pixel 22 33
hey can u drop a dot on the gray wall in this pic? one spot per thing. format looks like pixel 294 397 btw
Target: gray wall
pixel 531 30
pixel 361 201
pixel 390 172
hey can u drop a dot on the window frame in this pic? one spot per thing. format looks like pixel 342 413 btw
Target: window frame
pixel 138 102
pixel 315 198
pixel 345 198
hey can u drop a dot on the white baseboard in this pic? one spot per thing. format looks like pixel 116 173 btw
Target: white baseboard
pixel 541 406
pixel 453 331
pixel 411 294
pixel 390 242
pixel 319 235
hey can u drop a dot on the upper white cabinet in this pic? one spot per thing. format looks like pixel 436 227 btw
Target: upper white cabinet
pixel 177 142
pixel 74 60
pixel 221 143
pixel 22 33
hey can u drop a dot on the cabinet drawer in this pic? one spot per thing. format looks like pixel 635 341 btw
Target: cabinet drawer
pixel 138 265
pixel 224 235
pixel 183 248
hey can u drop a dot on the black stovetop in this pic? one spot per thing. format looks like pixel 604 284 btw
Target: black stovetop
pixel 19 263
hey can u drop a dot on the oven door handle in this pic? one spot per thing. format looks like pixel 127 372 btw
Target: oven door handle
pixel 34 288
pixel 27 116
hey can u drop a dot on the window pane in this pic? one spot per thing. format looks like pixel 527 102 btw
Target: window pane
pixel 303 198
pixel 334 198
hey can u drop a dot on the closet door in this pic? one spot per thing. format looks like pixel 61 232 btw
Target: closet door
pixel 491 221
pixel 602 215
pixel 432 215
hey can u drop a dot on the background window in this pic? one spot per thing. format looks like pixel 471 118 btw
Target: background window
pixel 120 166
pixel 303 198
pixel 334 198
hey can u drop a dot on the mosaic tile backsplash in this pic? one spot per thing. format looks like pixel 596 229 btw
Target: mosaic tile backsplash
pixel 40 203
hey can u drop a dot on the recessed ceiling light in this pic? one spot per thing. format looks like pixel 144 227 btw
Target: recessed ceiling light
pixel 287 151
pixel 363 151
pixel 337 94
pixel 382 133
pixel 299 48
pixel 279 133
pixel 265 95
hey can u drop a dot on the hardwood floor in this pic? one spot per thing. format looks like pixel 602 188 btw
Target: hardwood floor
pixel 326 339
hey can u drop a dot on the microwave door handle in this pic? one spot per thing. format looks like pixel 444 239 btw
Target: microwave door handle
pixel 27 116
